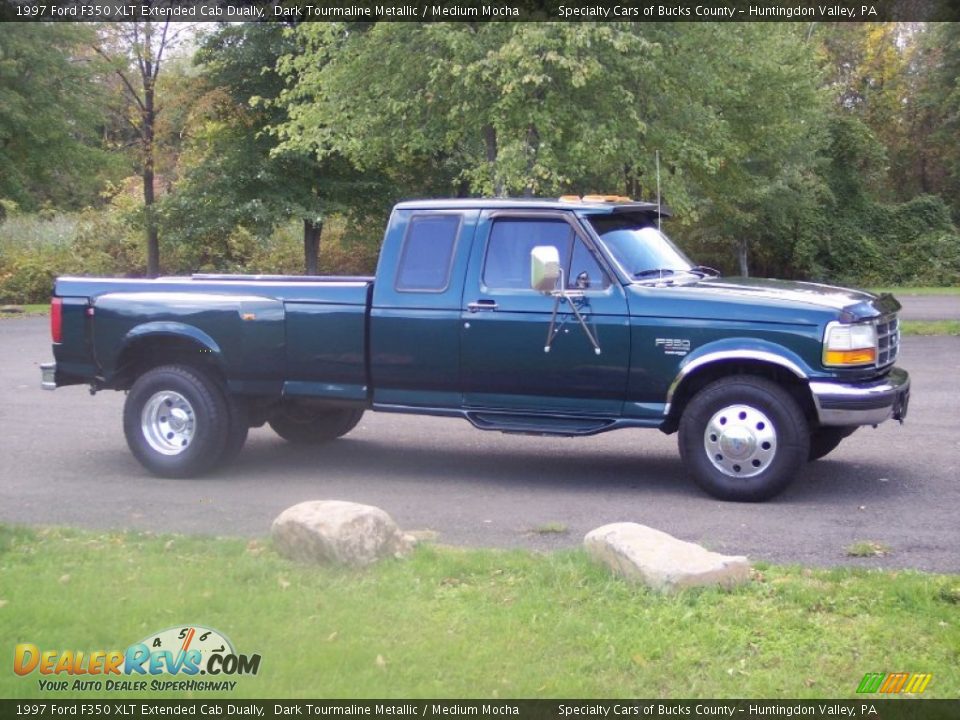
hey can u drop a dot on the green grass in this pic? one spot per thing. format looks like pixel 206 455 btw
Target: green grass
pixel 550 528
pixel 471 623
pixel 38 309
pixel 867 549
pixel 930 327
pixel 918 290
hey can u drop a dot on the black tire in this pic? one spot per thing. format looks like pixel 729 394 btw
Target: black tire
pixel 305 425
pixel 191 437
pixel 824 440
pixel 759 426
pixel 238 430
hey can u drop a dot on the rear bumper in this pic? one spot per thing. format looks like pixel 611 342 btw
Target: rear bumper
pixel 868 403
pixel 48 376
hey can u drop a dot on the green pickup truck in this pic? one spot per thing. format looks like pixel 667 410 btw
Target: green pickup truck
pixel 542 317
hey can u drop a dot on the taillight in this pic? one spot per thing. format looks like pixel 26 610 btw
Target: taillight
pixel 56 319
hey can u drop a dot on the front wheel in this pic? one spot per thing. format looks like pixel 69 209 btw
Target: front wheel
pixel 176 420
pixel 306 425
pixel 743 438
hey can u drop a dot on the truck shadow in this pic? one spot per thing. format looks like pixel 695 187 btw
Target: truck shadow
pixel 552 467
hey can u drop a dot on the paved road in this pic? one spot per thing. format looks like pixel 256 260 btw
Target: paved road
pixel 63 460
pixel 929 307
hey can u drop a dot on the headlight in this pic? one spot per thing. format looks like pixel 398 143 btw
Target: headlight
pixel 849 345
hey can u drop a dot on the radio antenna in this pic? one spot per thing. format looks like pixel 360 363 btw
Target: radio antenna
pixel 658 189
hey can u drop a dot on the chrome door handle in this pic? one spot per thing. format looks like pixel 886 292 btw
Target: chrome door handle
pixel 482 304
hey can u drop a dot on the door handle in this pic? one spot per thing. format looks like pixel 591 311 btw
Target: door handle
pixel 482 304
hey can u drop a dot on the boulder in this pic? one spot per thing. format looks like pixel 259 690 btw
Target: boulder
pixel 661 561
pixel 337 532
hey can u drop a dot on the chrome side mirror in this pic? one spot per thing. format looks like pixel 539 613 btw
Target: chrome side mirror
pixel 544 268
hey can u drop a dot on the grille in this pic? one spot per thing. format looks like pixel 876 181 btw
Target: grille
pixel 888 340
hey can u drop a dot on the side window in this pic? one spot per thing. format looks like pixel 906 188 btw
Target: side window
pixel 507 265
pixel 585 272
pixel 427 256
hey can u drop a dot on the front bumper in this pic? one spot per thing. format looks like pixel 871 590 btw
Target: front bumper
pixel 865 403
pixel 48 376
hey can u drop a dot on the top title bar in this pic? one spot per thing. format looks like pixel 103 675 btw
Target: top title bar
pixel 295 11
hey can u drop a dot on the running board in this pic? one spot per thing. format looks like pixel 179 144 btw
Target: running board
pixel 539 424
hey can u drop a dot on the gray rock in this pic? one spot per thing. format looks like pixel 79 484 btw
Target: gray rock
pixel 337 532
pixel 11 309
pixel 661 561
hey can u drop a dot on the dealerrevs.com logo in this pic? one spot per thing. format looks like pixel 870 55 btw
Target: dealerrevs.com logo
pixel 185 652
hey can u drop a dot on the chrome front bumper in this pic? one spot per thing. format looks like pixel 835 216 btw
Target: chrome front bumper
pixel 48 376
pixel 868 403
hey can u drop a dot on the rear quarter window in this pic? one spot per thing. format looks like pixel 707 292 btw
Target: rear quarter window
pixel 426 259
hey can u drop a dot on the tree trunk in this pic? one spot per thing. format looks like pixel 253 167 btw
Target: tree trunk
pixel 150 221
pixel 311 246
pixel 490 140
pixel 742 257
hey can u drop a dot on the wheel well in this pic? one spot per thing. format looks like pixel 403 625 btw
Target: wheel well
pixel 150 352
pixel 700 378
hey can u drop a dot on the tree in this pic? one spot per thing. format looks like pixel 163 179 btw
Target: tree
pixel 515 107
pixel 51 101
pixel 135 52
pixel 548 108
pixel 232 174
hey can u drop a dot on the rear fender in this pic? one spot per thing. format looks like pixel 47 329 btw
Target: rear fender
pixel 185 343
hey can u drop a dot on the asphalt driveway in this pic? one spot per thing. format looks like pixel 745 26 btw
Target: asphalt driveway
pixel 63 460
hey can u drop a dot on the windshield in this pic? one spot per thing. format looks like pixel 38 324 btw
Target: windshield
pixel 641 250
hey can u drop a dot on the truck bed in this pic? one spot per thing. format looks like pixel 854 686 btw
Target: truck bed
pixel 268 334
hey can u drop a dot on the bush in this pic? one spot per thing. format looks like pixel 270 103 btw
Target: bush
pixel 33 251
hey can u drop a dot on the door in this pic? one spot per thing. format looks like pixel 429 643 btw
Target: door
pixel 504 330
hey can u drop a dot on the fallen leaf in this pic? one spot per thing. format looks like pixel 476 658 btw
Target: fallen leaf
pixel 3 603
pixel 332 636
pixel 284 584
pixel 381 663
pixel 168 545
pixel 64 579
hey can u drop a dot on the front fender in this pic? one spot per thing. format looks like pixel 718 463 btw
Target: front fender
pixel 733 349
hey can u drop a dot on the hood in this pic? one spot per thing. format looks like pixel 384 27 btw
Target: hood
pixel 853 304
pixel 763 299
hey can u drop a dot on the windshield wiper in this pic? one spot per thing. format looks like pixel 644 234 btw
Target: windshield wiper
pixel 704 270
pixel 654 272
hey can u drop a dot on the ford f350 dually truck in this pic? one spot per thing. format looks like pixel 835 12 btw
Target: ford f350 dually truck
pixel 546 317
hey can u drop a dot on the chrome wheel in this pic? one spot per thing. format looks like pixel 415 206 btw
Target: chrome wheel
pixel 740 441
pixel 168 422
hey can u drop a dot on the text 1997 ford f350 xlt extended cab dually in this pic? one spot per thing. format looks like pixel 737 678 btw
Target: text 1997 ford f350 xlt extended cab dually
pixel 546 317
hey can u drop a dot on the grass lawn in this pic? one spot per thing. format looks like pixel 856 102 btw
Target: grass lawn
pixel 40 309
pixel 930 327
pixel 474 623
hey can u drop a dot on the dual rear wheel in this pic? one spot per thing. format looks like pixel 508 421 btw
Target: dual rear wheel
pixel 180 421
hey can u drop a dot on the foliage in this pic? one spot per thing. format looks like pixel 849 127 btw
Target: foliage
pixel 480 623
pixel 234 183
pixel 50 113
pixel 135 52
pixel 108 242
pixel 489 108
pixel 826 151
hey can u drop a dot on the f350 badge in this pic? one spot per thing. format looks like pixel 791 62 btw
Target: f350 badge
pixel 673 346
